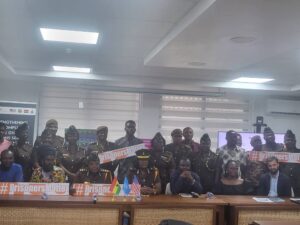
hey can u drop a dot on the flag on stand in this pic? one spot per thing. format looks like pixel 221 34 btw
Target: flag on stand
pixel 126 188
pixel 115 187
pixel 113 184
pixel 135 186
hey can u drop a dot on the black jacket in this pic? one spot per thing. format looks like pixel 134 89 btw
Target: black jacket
pixel 182 185
pixel 283 185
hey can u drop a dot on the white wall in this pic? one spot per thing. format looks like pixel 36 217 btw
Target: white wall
pixel 279 123
pixel 20 91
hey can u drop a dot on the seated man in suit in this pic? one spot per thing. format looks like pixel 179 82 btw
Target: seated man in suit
pixel 274 183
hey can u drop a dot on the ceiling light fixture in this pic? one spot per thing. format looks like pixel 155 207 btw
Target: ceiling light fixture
pixel 254 80
pixel 71 36
pixel 71 69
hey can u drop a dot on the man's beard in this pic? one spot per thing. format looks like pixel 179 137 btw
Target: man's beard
pixel 273 172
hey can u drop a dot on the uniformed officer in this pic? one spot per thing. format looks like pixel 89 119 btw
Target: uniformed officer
pixel 148 176
pixel 205 163
pixel 178 148
pixel 162 160
pixel 102 145
pixel 72 157
pixel 22 151
pixel 93 173
pixel 48 137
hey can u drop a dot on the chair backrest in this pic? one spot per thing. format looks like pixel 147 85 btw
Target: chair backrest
pixel 168 189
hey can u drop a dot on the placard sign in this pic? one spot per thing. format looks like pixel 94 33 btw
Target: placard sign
pixel 19 188
pixel 97 189
pixel 281 156
pixel 121 153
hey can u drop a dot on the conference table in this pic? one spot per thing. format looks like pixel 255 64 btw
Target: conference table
pixel 70 210
pixel 276 222
pixel 243 210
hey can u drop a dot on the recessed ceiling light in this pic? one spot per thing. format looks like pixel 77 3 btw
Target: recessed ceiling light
pixel 197 63
pixel 69 36
pixel 71 69
pixel 252 80
pixel 242 39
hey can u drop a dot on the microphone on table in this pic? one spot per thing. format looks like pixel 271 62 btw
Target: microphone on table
pixel 94 198
pixel 195 195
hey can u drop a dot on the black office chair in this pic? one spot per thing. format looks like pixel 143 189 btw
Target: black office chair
pixel 173 222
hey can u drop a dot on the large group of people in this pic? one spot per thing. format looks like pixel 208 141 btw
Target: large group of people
pixel 184 166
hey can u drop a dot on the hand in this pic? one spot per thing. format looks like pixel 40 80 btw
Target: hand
pixel 189 175
pixel 146 190
pixel 183 174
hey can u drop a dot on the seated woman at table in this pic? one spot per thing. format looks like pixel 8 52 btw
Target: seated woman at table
pixel 93 173
pixel 231 183
pixel 183 180
pixel 47 172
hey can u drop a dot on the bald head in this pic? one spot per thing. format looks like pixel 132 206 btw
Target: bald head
pixel 7 159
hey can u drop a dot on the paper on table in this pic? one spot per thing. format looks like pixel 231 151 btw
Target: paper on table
pixel 265 200
pixel 185 195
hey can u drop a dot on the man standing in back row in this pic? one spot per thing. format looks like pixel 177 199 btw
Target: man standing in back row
pixel 128 140
pixel 231 151
pixel 271 145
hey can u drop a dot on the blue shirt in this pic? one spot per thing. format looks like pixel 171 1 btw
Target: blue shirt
pixel 14 174
pixel 273 185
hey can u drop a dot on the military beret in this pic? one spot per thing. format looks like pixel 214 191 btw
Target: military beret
pixel 104 128
pixel 143 154
pixel 22 127
pixel 51 122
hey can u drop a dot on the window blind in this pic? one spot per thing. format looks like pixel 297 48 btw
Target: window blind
pixel 87 109
pixel 203 115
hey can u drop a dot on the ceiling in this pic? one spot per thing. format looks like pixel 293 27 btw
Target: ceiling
pixel 157 45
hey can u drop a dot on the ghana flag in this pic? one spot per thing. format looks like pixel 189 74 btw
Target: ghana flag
pixel 115 187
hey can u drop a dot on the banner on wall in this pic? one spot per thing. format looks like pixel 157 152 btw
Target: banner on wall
pixel 14 114
pixel 286 157
pixel 86 136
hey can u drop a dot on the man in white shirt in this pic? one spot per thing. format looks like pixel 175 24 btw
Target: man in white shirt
pixel 274 183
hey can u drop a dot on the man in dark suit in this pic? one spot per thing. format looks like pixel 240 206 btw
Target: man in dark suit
pixel 274 183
